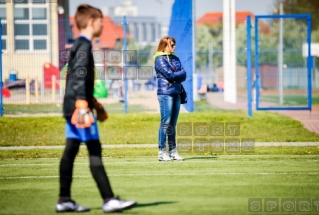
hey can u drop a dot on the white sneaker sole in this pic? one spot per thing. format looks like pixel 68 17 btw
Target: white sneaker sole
pixel 126 206
pixel 164 160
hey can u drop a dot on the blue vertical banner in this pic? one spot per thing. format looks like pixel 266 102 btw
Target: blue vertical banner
pixel 181 28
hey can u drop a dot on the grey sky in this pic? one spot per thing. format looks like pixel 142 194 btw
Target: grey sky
pixel 162 8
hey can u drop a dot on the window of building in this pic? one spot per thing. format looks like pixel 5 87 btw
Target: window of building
pixel 153 32
pixel 136 31
pixel 144 32
pixel 30 25
pixel 3 16
pixel 159 33
pixel 129 13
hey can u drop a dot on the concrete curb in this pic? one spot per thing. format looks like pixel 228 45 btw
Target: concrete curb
pixel 154 145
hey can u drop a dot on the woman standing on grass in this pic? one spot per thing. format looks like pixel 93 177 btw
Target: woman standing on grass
pixel 170 74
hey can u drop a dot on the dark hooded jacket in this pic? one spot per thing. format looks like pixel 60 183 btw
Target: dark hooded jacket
pixel 80 76
pixel 169 72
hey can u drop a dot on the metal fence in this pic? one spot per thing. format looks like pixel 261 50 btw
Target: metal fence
pixel 35 63
pixel 35 52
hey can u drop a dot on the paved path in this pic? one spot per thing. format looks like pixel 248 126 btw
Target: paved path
pixel 310 119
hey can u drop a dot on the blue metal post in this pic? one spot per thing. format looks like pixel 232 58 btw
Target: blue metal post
pixel 1 84
pixel 124 65
pixel 309 63
pixel 249 108
pixel 309 60
pixel 256 64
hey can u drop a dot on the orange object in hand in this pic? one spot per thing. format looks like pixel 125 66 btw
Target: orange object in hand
pixel 82 116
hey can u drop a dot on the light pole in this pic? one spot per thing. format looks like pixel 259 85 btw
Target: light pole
pixel 229 51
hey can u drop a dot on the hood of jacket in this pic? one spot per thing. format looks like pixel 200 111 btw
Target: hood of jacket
pixel 160 54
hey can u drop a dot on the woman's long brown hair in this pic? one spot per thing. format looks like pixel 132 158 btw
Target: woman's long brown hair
pixel 164 42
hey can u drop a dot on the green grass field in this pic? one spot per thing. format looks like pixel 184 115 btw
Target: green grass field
pixel 205 183
pixel 140 128
pixel 199 185
pixel 16 109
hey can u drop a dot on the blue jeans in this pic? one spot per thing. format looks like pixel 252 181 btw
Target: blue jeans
pixel 169 108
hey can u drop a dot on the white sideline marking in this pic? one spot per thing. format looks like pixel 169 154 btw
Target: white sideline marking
pixel 172 174
pixel 154 157
pixel 153 145
pixel 106 163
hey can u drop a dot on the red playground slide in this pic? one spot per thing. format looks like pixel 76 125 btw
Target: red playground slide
pixel 6 93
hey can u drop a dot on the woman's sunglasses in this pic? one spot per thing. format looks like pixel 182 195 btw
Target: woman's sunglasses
pixel 173 45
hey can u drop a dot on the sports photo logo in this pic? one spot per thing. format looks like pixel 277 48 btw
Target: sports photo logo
pixel 213 137
pixel 114 65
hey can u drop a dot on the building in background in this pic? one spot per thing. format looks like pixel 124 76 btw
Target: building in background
pixel 111 34
pixel 144 30
pixel 30 37
pixel 126 9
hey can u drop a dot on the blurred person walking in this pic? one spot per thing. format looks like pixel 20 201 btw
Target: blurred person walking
pixel 81 125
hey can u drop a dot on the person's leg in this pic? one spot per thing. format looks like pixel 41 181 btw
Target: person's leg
pixel 66 168
pixel 73 140
pixel 97 169
pixel 111 203
pixel 166 103
pixel 110 87
pixel 173 154
pixel 174 117
pixel 165 128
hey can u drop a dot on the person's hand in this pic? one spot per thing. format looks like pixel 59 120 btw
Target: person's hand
pixel 101 114
pixel 82 117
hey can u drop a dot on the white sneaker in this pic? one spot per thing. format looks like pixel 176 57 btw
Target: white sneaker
pixel 116 204
pixel 70 206
pixel 163 156
pixel 175 156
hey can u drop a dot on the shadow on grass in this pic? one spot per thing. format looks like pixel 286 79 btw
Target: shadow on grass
pixel 139 205
pixel 201 158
